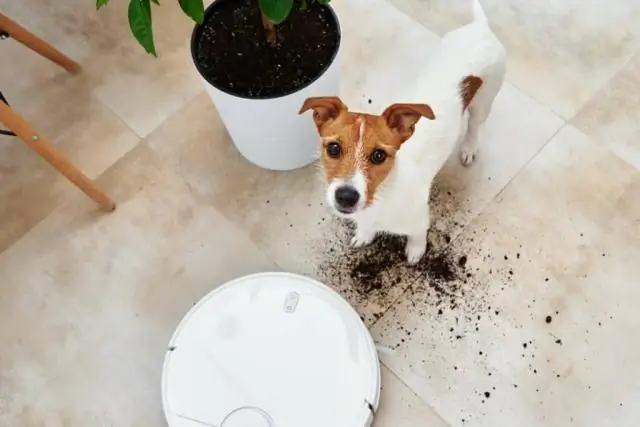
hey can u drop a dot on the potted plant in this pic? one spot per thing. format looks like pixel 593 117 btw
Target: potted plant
pixel 259 60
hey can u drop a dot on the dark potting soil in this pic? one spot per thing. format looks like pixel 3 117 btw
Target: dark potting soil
pixel 232 53
pixel 370 264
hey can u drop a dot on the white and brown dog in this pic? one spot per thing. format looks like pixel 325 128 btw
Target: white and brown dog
pixel 380 168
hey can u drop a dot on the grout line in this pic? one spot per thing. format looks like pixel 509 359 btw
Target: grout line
pixel 598 90
pixel 401 381
pixel 519 171
pixel 95 96
pixel 186 103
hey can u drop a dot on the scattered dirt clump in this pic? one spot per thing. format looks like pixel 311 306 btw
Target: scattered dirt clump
pixel 367 269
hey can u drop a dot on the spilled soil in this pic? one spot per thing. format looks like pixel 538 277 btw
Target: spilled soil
pixel 452 299
pixel 376 275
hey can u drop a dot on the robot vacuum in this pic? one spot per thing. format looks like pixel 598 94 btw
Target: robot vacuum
pixel 271 350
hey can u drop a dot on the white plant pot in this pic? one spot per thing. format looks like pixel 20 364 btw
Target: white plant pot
pixel 269 132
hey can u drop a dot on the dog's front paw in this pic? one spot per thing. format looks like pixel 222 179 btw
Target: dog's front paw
pixel 362 239
pixel 414 250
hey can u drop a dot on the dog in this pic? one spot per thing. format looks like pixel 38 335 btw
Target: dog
pixel 380 169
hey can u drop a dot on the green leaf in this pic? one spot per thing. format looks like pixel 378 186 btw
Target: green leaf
pixel 304 5
pixel 276 10
pixel 100 3
pixel 194 9
pixel 140 24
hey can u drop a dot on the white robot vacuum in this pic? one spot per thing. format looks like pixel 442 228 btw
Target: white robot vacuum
pixel 271 350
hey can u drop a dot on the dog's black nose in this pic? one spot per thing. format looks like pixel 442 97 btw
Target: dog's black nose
pixel 347 197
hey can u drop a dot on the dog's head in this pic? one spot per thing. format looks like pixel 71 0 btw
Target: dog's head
pixel 358 150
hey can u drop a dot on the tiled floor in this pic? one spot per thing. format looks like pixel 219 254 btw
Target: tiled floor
pixel 530 319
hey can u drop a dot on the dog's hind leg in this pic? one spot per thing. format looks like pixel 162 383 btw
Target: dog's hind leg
pixel 479 109
pixel 478 114
pixel 476 102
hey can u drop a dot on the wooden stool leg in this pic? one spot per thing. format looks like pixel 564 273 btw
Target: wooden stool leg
pixel 42 146
pixel 36 44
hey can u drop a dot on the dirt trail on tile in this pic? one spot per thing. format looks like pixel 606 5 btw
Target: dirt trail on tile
pixel 442 280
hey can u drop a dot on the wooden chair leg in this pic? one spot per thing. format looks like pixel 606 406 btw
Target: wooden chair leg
pixel 36 44
pixel 42 146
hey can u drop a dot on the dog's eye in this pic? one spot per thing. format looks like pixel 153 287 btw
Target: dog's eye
pixel 378 156
pixel 333 150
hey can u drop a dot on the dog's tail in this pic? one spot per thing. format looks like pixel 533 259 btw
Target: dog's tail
pixel 478 12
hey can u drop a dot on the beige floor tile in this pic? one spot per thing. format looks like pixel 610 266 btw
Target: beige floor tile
pixel 561 53
pixel 22 68
pixel 67 27
pixel 89 301
pixel 401 407
pixel 196 144
pixel 613 115
pixel 516 130
pixel 379 56
pixel 81 127
pixel 142 90
pixel 537 325
pixel 77 29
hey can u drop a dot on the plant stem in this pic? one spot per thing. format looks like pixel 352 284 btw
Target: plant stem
pixel 269 28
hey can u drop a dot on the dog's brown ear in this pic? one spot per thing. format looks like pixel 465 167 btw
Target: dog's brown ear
pixel 402 118
pixel 324 108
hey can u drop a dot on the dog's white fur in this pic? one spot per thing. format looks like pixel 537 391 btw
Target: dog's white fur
pixel 401 204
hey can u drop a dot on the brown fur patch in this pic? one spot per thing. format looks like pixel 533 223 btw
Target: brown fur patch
pixel 469 86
